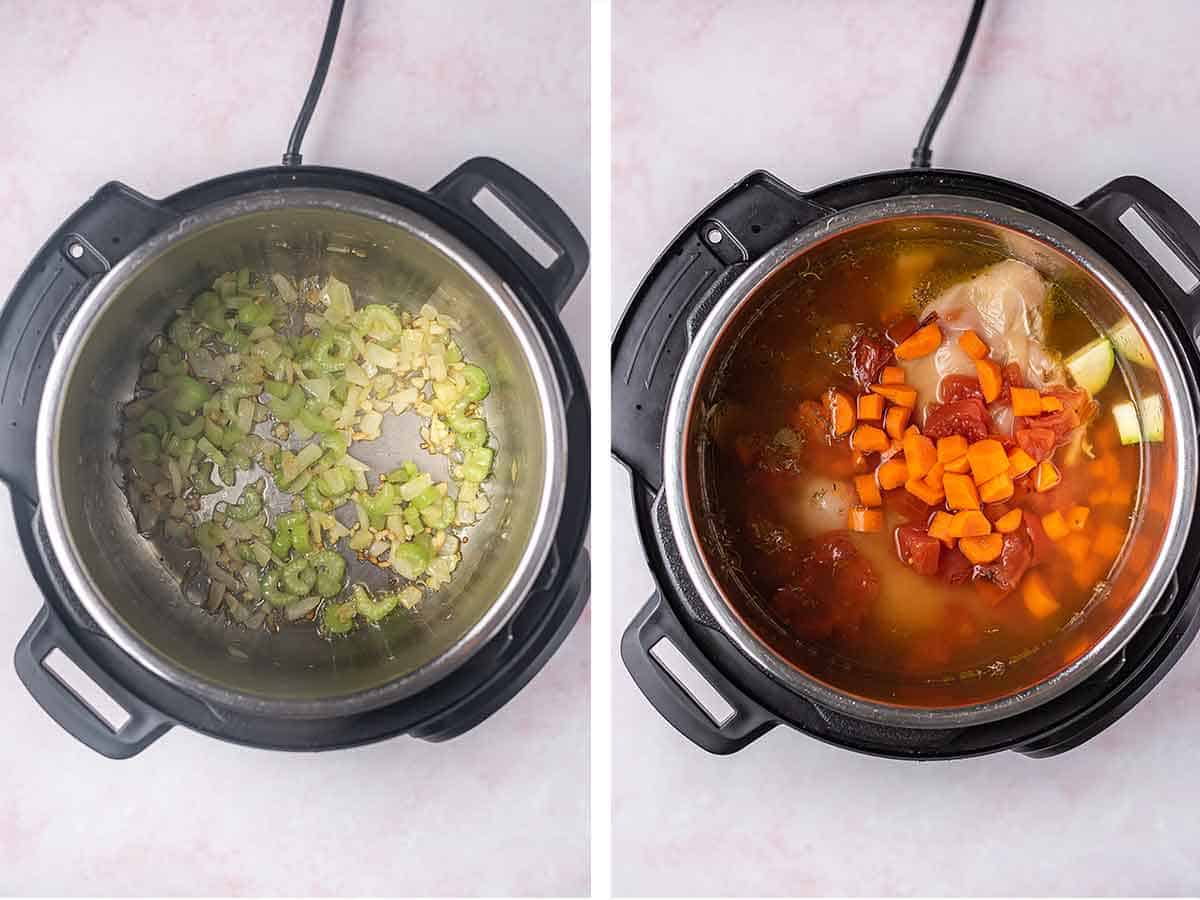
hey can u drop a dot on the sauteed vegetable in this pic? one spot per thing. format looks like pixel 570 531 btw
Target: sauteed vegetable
pixel 263 376
pixel 922 461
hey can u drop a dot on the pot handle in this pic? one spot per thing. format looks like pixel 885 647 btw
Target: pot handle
pixel 144 726
pixel 744 721
pixel 534 644
pixel 1169 221
pixel 95 237
pixel 657 326
pixel 555 280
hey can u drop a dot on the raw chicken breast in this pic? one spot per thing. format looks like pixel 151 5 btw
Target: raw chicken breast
pixel 817 505
pixel 1003 304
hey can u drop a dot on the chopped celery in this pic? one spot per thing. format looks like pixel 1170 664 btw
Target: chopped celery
pixel 205 446
pixel 249 505
pixel 380 356
pixel 478 383
pixel 145 447
pixel 414 486
pixel 220 370
pixel 409 559
pixel 209 535
pixel 338 618
pixel 339 303
pixel 187 394
pixel 477 464
pixel 319 388
pixel 330 569
pixel 427 497
pixel 373 608
pixel 404 473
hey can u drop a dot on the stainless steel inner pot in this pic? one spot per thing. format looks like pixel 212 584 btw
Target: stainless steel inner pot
pixel 131 586
pixel 1166 492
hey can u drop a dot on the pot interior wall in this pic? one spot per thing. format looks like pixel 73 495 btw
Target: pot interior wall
pixel 1156 493
pixel 140 580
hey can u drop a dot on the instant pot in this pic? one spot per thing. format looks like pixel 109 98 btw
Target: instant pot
pixel 71 339
pixel 689 309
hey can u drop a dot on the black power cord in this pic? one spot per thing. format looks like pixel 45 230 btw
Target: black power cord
pixel 923 153
pixel 292 156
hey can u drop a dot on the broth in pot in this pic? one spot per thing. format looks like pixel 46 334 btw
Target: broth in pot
pixel 922 466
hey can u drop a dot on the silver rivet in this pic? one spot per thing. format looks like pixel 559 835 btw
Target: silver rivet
pixel 75 250
pixel 714 236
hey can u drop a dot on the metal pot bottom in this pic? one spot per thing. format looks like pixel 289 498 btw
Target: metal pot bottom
pixel 131 589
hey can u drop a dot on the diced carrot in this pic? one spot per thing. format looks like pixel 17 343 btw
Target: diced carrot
pixel 922 342
pixel 1038 599
pixel 895 420
pixel 939 527
pixel 969 523
pixel 1055 525
pixel 960 491
pixel 870 406
pixel 869 439
pixel 918 488
pixel 934 477
pixel 1077 517
pixel 1077 547
pixel 1009 522
pixel 840 410
pixel 1106 468
pixel 982 548
pixel 996 490
pixel 863 519
pixel 911 430
pixel 951 448
pixel 988 459
pixel 1019 462
pixel 1050 403
pixel 892 375
pixel 919 454
pixel 1046 476
pixel 991 380
pixel 1121 493
pixel 1091 570
pixel 960 466
pixel 973 345
pixel 1098 496
pixel 868 490
pixel 892 474
pixel 900 394
pixel 1026 402
pixel 1109 540
pixel 1105 435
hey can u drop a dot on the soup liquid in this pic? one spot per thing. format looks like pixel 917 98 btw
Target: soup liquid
pixel 773 514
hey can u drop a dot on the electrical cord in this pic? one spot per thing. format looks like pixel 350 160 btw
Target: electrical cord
pixel 291 156
pixel 923 153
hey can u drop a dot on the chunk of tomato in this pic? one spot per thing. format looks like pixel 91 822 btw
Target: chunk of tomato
pixel 968 417
pixel 918 550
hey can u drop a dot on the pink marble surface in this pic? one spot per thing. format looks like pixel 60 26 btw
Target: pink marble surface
pixel 1062 96
pixel 165 95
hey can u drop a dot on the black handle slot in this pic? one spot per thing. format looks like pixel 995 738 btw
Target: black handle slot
pixel 482 189
pixel 653 335
pixel 701 703
pixel 96 236
pixel 1158 233
pixel 143 725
